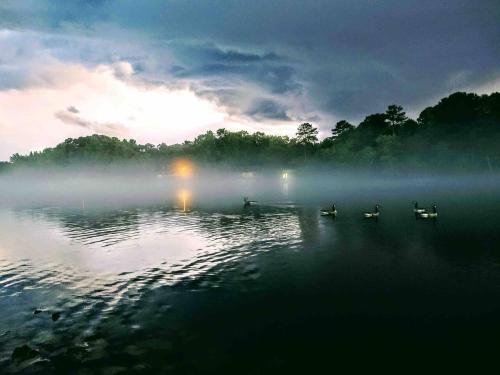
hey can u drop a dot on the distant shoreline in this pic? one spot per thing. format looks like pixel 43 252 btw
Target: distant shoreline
pixel 459 134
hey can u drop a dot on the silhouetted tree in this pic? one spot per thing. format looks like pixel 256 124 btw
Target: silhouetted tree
pixel 341 127
pixel 395 117
pixel 307 135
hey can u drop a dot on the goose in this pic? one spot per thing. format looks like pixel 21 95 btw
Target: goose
pixel 418 210
pixel 247 202
pixel 331 212
pixel 429 215
pixel 374 214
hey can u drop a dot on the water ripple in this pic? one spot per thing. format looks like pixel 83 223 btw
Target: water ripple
pixel 85 295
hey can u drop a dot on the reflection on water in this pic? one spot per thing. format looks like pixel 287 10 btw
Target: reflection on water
pixel 248 290
pixel 86 263
pixel 184 197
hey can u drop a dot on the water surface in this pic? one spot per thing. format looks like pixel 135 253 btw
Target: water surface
pixel 269 288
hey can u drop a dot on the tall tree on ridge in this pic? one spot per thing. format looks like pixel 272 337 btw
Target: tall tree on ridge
pixel 396 117
pixel 340 128
pixel 307 135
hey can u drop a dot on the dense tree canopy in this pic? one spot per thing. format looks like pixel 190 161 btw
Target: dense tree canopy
pixel 342 127
pixel 461 132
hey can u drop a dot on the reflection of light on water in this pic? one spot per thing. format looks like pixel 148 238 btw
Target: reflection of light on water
pixel 284 177
pixel 100 265
pixel 184 197
pixel 211 240
pixel 285 188
pixel 183 168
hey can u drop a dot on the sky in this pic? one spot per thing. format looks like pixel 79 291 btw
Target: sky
pixel 166 71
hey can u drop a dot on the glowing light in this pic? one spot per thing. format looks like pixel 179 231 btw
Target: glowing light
pixel 284 176
pixel 183 168
pixel 184 196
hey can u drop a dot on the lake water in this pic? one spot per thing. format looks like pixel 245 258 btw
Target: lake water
pixel 271 288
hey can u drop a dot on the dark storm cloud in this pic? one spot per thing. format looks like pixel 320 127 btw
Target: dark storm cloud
pixel 217 55
pixel 278 79
pixel 348 57
pixel 268 109
pixel 268 69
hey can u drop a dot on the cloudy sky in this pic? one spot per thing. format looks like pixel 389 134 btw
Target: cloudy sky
pixel 164 71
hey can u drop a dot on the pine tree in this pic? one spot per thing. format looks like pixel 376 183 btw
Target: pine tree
pixel 396 117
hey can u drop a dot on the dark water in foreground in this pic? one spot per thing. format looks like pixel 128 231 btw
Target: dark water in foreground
pixel 267 289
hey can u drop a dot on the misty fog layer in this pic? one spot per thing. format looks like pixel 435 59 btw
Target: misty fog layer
pixel 209 188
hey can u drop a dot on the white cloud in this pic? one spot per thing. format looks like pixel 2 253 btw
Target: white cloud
pixel 36 117
pixel 55 86
pixel 46 100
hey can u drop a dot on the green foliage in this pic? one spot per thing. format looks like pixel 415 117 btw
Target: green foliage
pixel 341 128
pixel 92 149
pixel 461 132
pixel 307 134
pixel 395 117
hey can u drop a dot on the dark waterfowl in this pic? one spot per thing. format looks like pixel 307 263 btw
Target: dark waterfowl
pixel 372 215
pixel 247 202
pixel 330 212
pixel 429 215
pixel 418 210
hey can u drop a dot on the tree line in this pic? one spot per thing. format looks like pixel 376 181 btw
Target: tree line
pixel 461 132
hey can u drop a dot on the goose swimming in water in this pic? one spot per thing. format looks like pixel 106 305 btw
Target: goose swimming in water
pixel 331 212
pixel 418 210
pixel 429 215
pixel 374 214
pixel 247 202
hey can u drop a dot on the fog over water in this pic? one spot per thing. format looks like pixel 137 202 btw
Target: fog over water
pixel 210 187
pixel 143 284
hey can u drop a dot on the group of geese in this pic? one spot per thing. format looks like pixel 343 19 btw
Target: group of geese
pixel 419 212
